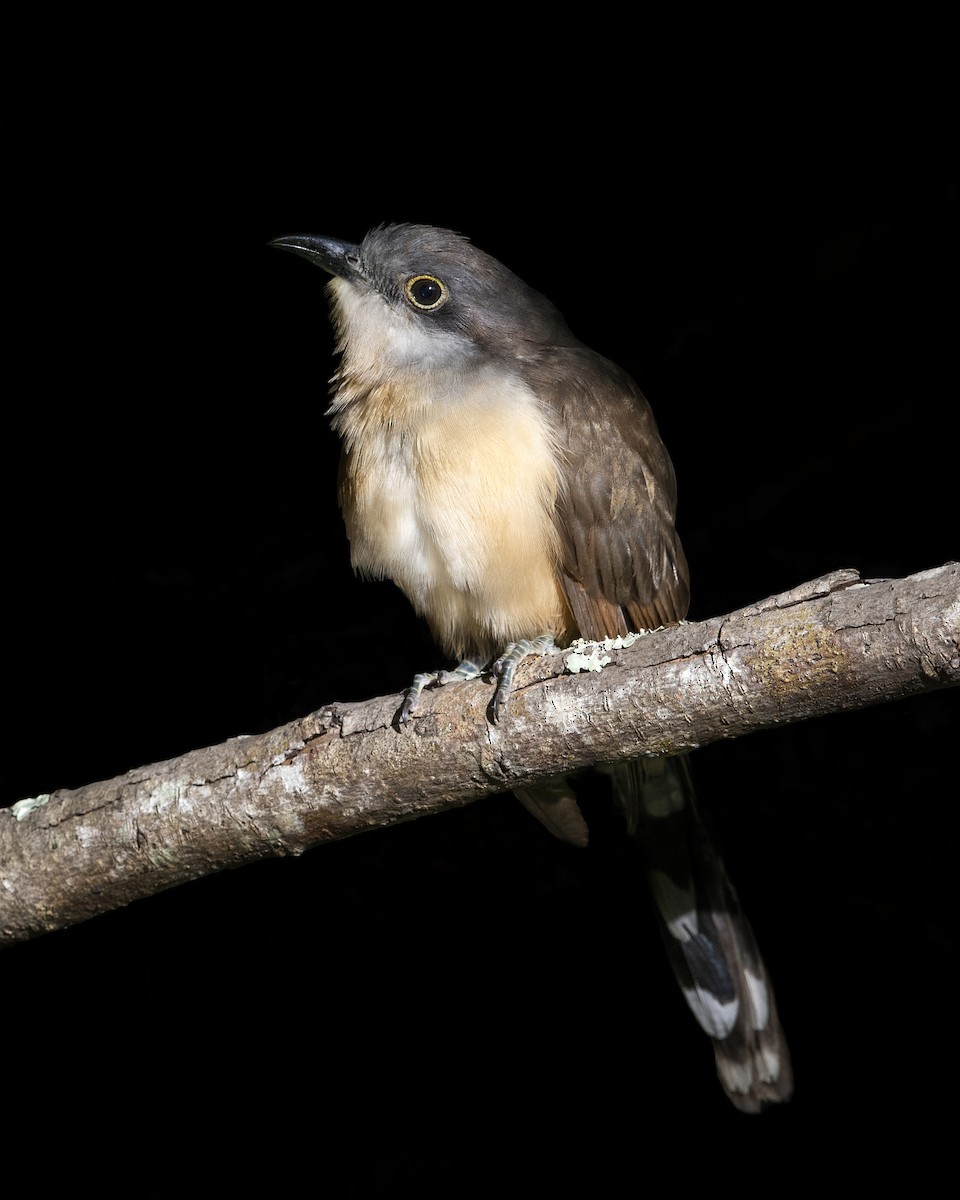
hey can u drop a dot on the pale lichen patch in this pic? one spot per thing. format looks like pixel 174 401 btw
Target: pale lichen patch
pixel 595 660
pixel 23 808
pixel 593 656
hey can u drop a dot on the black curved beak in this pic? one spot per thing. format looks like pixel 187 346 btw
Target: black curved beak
pixel 335 257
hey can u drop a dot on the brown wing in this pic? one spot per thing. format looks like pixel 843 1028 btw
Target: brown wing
pixel 623 565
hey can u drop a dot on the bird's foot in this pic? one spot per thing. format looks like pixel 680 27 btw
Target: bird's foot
pixel 430 679
pixel 502 671
pixel 504 668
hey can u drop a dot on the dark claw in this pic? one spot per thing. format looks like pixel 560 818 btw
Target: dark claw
pixel 412 695
pixel 502 671
pixel 409 704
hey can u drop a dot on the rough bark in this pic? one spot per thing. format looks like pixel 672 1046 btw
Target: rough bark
pixel 833 644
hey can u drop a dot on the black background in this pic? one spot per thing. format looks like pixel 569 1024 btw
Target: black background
pixel 463 999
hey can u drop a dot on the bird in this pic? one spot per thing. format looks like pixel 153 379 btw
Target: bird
pixel 513 484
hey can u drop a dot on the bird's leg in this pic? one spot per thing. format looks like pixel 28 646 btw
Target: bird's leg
pixel 505 666
pixel 502 671
pixel 464 670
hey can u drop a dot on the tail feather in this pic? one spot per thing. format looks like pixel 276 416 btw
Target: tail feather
pixel 709 941
pixel 554 804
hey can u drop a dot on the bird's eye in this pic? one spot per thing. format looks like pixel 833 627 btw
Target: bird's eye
pixel 425 292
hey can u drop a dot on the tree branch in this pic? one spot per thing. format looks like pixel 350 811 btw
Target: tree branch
pixel 833 644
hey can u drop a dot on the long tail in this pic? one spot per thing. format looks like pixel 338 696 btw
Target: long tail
pixel 709 942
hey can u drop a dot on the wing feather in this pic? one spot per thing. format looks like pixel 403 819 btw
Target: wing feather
pixel 623 567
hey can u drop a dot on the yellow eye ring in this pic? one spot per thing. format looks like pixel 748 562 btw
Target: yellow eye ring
pixel 425 292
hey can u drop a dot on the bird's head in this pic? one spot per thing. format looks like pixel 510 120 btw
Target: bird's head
pixel 414 293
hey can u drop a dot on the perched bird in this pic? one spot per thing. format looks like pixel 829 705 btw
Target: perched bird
pixel 513 484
